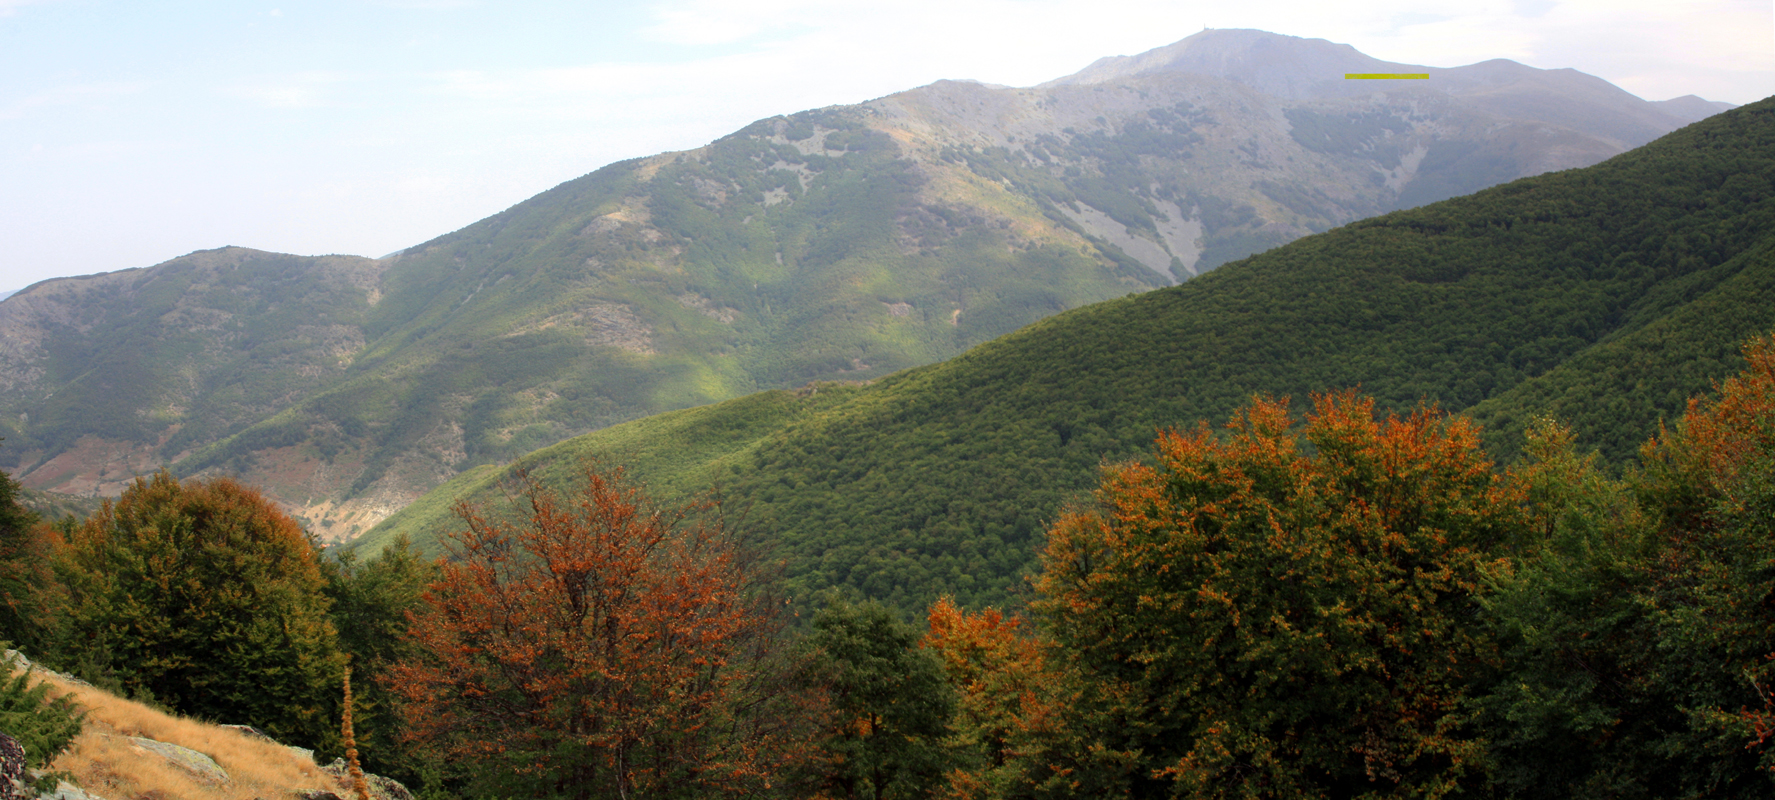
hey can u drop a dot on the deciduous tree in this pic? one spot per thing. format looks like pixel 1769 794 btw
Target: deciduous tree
pixel 594 645
pixel 208 597
pixel 29 595
pixel 1007 694
pixel 1253 618
pixel 891 705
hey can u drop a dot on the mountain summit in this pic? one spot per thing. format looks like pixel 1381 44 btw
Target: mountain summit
pixel 1293 68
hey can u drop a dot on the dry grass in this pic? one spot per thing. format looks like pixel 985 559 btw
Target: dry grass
pixel 104 761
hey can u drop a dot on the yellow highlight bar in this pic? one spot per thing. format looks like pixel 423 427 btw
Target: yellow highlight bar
pixel 1383 76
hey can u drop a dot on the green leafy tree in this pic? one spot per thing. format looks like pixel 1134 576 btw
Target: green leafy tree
pixel 28 591
pixel 891 702
pixel 371 605
pixel 1635 628
pixel 1254 618
pixel 1576 708
pixel 208 598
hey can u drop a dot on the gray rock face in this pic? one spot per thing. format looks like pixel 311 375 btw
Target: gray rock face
pixel 198 764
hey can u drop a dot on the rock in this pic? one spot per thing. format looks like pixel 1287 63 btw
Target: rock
pixel 192 761
pixel 68 791
pixel 380 788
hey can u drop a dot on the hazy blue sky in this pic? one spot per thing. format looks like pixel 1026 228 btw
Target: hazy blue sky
pixel 135 132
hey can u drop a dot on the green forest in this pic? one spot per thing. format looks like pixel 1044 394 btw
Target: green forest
pixel 1604 296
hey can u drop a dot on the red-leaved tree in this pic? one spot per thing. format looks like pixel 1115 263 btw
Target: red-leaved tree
pixel 599 647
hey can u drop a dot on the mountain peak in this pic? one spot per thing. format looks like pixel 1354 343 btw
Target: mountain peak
pixel 1283 66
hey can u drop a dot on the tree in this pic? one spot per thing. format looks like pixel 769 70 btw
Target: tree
pixel 597 646
pixel 1575 708
pixel 891 705
pixel 207 597
pixel 29 594
pixel 1712 604
pixel 1006 697
pixel 1636 623
pixel 44 726
pixel 371 603
pixel 1249 619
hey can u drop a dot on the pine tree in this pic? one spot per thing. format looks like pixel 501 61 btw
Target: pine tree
pixel 44 726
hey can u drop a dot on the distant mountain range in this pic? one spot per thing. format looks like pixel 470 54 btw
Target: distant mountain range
pixel 1605 297
pixel 841 244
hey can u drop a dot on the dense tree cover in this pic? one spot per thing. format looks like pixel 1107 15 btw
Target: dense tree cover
pixel 1359 607
pixel 1348 602
pixel 601 647
pixel 371 601
pixel 1637 633
pixel 206 597
pixel 1638 276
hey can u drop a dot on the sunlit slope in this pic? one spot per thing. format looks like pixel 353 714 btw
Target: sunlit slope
pixel 939 479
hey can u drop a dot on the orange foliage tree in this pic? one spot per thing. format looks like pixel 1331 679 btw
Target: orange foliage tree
pixel 599 647
pixel 1254 618
pixel 1006 697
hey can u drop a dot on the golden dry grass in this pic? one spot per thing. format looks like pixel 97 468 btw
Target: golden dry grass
pixel 104 762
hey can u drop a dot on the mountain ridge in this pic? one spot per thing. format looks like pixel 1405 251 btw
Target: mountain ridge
pixel 840 244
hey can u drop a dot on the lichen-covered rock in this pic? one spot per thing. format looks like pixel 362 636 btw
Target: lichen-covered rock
pixel 192 761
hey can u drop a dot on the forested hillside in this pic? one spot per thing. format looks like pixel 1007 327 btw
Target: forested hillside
pixel 844 243
pixel 1607 295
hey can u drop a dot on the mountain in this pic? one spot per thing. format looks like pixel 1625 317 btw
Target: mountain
pixel 841 244
pixel 1606 295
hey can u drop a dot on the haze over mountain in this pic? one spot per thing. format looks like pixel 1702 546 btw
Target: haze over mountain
pixel 844 243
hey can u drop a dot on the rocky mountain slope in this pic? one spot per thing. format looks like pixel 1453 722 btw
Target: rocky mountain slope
pixel 842 244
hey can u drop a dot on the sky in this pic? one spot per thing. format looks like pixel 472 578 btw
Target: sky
pixel 133 132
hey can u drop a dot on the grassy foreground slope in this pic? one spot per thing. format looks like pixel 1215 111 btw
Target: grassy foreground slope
pixel 1632 281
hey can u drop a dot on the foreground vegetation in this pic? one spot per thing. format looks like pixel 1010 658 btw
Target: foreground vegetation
pixel 1342 603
